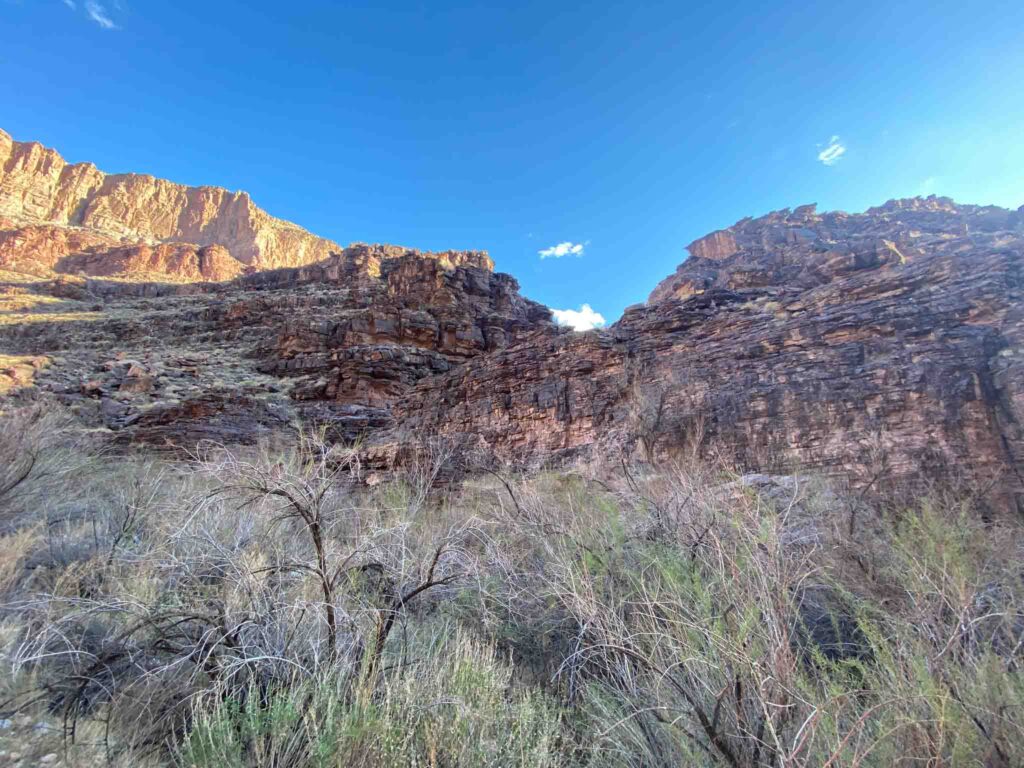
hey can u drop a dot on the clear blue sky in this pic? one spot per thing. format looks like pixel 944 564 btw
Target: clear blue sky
pixel 629 128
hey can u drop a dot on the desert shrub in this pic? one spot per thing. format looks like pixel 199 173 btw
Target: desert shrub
pixel 261 608
pixel 232 572
pixel 39 456
pixel 697 621
pixel 455 706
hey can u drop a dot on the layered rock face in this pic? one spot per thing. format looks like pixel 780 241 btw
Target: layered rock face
pixel 802 249
pixel 881 347
pixel 335 343
pixel 38 187
pixel 42 250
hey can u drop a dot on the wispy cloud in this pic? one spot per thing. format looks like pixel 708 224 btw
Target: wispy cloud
pixel 71 4
pixel 582 319
pixel 562 249
pixel 927 187
pixel 99 14
pixel 830 154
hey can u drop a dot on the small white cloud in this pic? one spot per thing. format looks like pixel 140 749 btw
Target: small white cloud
pixel 583 319
pixel 562 249
pixel 71 4
pixel 927 187
pixel 830 155
pixel 99 14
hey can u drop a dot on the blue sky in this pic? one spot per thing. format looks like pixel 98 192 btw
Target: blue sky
pixel 626 128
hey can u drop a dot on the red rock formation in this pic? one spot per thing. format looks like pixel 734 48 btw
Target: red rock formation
pixel 45 249
pixel 38 249
pixel 337 342
pixel 177 261
pixel 65 218
pixel 886 344
pixel 38 186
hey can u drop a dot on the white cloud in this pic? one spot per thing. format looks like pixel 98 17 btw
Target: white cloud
pixel 562 249
pixel 830 155
pixel 583 319
pixel 99 14
pixel 70 4
pixel 927 187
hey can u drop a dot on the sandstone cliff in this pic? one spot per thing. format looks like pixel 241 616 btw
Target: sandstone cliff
pixel 44 249
pixel 37 187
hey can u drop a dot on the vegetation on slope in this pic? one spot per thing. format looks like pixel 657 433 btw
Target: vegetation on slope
pixel 263 609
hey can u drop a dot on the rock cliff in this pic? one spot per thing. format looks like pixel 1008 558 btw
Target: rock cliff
pixel 337 342
pixel 38 187
pixel 880 347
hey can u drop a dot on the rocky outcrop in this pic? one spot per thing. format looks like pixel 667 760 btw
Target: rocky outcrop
pixel 336 342
pixel 184 262
pixel 38 249
pixel 60 218
pixel 885 346
pixel 802 249
pixel 45 249
pixel 37 186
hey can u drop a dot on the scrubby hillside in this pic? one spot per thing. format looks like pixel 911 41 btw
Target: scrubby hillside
pixel 374 508
pixel 255 607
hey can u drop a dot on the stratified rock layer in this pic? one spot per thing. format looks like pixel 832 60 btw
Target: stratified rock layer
pixel 42 250
pixel 885 346
pixel 37 186
pixel 336 342
pixel 879 347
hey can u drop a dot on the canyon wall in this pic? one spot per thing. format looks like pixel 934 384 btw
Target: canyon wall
pixel 880 347
pixel 886 346
pixel 37 187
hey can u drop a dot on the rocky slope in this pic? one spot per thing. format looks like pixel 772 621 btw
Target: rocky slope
pixel 882 347
pixel 886 346
pixel 38 187
pixel 337 342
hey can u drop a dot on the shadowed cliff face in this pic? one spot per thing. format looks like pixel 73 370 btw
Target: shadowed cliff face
pixel 336 343
pixel 801 249
pixel 882 346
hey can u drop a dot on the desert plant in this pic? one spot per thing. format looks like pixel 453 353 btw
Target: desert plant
pixel 261 607
pixel 453 707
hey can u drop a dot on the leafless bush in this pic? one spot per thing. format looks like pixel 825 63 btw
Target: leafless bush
pixel 667 414
pixel 38 453
pixel 247 607
pixel 264 567
pixel 701 618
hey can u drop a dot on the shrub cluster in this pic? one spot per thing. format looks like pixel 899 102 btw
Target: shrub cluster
pixel 261 608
